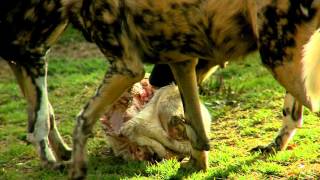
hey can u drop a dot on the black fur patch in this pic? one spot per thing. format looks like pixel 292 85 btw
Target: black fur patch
pixel 25 26
pixel 276 37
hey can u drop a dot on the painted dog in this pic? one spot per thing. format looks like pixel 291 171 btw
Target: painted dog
pixel 174 32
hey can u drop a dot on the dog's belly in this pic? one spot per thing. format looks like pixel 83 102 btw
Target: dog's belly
pixel 173 31
pixel 28 28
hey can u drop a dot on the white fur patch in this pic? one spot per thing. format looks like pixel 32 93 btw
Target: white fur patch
pixel 304 10
pixel 41 128
pixel 311 69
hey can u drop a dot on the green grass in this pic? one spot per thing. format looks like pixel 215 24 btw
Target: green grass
pixel 71 35
pixel 246 113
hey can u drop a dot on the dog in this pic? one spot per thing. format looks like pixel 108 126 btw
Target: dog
pixel 143 126
pixel 174 32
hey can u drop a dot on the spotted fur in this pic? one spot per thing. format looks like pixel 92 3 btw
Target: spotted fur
pixel 178 32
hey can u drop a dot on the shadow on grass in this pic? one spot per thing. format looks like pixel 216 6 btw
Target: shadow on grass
pixel 108 166
pixel 102 165
pixel 237 168
pixel 182 173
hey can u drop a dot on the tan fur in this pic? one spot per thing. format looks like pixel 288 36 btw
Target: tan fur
pixel 311 68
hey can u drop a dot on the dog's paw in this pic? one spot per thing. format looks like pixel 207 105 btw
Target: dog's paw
pixel 66 155
pixel 78 171
pixel 189 165
pixel 197 162
pixel 76 175
pixel 268 150
pixel 55 166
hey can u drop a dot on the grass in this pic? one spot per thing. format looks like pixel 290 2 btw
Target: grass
pixel 246 112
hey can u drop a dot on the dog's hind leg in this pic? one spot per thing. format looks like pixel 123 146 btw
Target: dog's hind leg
pixel 121 75
pixel 61 149
pixel 32 81
pixel 292 112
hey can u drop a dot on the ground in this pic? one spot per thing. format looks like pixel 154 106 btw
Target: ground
pixel 246 112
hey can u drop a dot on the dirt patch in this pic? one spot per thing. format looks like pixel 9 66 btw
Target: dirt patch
pixel 5 70
pixel 78 50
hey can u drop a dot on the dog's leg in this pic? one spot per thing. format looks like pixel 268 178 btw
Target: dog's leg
pixel 32 81
pixel 61 149
pixel 121 75
pixel 198 160
pixel 185 75
pixel 292 112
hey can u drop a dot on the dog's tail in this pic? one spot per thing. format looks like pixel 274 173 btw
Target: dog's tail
pixel 311 68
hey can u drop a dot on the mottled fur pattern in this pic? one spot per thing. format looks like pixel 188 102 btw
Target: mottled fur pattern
pixel 174 32
pixel 130 32
pixel 181 31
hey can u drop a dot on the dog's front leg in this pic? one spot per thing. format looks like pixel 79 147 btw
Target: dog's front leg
pixel 292 112
pixel 121 76
pixel 185 75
